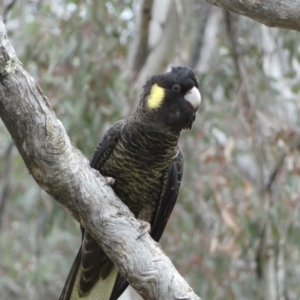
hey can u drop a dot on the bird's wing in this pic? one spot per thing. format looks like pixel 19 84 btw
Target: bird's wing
pixel 90 256
pixel 107 145
pixel 171 185
pixel 68 287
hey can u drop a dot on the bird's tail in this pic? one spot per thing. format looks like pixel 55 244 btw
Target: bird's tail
pixel 68 287
pixel 102 290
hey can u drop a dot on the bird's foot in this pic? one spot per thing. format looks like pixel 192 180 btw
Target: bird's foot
pixel 145 228
pixel 109 181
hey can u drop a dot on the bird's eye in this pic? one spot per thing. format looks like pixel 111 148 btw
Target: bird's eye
pixel 176 88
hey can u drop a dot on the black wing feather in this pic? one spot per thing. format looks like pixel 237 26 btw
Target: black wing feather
pixel 168 198
pixel 107 145
pixel 68 287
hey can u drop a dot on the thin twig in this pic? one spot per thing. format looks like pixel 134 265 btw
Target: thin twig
pixel 4 176
pixel 230 24
pixel 274 173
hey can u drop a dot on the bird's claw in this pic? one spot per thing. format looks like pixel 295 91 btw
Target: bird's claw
pixel 145 228
pixel 109 181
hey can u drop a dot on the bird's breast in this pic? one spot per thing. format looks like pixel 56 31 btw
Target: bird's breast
pixel 138 168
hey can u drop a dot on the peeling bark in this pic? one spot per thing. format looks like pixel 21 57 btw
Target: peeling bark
pixel 63 172
pixel 272 13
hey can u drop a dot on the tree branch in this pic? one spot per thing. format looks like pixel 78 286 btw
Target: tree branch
pixel 274 173
pixel 63 172
pixel 272 13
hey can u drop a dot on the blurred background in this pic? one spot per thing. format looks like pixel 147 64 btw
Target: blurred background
pixel 235 230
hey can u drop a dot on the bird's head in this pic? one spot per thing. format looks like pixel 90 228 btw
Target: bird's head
pixel 170 100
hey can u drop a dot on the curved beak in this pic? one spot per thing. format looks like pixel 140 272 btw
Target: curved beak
pixel 193 96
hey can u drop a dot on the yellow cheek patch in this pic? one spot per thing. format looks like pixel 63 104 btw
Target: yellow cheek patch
pixel 156 97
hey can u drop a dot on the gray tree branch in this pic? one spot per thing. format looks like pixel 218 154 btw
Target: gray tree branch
pixel 63 172
pixel 273 13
